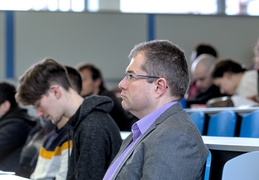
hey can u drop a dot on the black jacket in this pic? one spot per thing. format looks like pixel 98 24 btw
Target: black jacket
pixel 96 139
pixel 203 97
pixel 15 126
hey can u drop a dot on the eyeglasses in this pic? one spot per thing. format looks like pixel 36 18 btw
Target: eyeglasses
pixel 37 104
pixel 130 76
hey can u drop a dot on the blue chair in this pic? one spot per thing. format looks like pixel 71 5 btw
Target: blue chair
pixel 198 118
pixel 207 167
pixel 222 124
pixel 250 125
pixel 244 166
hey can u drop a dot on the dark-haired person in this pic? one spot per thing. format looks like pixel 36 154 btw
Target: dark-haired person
pixel 203 48
pixel 233 79
pixel 15 125
pixel 95 136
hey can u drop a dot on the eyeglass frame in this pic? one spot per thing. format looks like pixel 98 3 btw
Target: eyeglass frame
pixel 37 103
pixel 129 76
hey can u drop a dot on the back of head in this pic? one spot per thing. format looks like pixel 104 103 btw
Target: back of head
pixel 37 80
pixel 227 65
pixel 166 60
pixel 7 93
pixel 96 73
pixel 204 48
pixel 205 60
pixel 75 78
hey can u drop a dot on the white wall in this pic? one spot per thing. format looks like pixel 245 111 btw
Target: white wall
pixel 72 38
pixel 2 45
pixel 233 36
pixel 106 39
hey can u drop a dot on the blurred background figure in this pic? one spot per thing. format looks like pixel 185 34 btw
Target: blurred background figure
pixel 233 79
pixel 203 48
pixel 93 83
pixel 256 56
pixel 201 74
pixel 15 125
pixel 200 48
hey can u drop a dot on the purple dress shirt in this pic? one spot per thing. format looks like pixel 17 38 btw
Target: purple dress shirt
pixel 138 128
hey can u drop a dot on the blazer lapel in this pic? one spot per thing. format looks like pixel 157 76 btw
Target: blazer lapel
pixel 171 110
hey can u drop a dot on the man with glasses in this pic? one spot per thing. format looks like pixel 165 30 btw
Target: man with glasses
pixel 95 136
pixel 164 143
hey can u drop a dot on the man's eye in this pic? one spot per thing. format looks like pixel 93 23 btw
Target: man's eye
pixel 130 76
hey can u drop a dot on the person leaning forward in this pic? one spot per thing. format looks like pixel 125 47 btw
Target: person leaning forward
pixel 95 136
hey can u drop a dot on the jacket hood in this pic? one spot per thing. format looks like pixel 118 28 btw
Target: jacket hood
pixel 101 103
pixel 91 103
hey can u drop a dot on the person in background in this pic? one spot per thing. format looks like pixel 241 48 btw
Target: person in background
pixel 200 48
pixel 203 48
pixel 30 152
pixel 15 125
pixel 233 79
pixel 256 56
pixel 164 143
pixel 93 83
pixel 95 136
pixel 201 74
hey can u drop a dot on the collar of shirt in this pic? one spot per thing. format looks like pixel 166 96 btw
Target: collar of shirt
pixel 141 126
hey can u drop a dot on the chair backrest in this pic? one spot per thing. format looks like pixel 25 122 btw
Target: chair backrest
pixel 207 167
pixel 244 166
pixel 222 124
pixel 250 125
pixel 198 118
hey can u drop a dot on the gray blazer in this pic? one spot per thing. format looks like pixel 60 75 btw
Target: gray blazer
pixel 172 148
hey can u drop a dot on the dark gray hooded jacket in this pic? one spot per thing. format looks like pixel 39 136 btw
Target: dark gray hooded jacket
pixel 96 139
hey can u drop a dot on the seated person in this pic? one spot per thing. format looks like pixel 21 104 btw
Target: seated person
pixel 256 56
pixel 199 49
pixel 202 75
pixel 15 125
pixel 30 151
pixel 49 145
pixel 93 83
pixel 92 130
pixel 233 79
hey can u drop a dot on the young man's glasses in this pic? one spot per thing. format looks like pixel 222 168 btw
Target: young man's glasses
pixel 130 76
pixel 37 104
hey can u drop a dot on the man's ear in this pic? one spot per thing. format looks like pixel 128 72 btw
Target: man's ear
pixel 56 90
pixel 161 86
pixel 6 105
pixel 97 82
